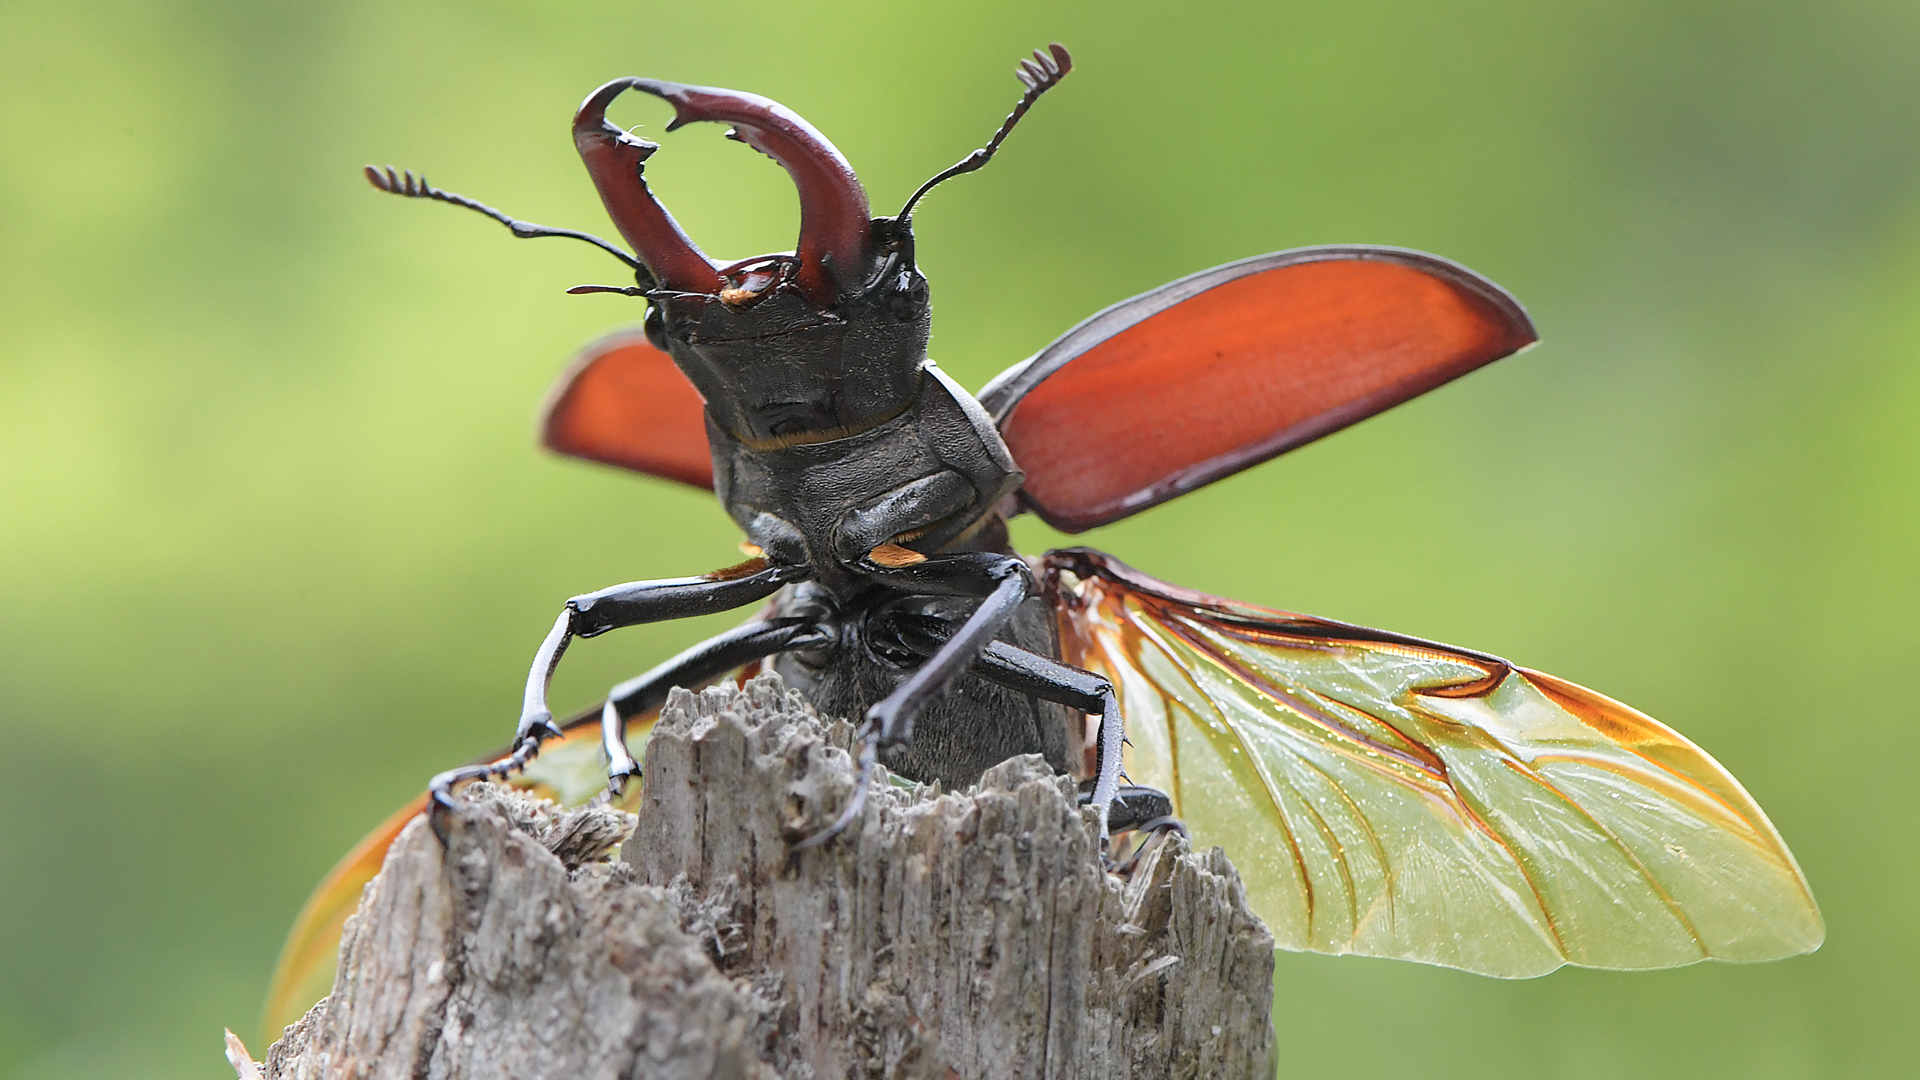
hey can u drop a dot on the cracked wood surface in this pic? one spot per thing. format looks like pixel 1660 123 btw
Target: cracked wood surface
pixel 944 935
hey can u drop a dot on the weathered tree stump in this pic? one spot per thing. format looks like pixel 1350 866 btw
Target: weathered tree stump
pixel 941 936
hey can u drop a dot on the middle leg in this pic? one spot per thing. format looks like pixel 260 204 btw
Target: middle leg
pixel 707 660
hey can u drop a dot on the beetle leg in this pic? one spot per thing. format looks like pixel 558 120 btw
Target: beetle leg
pixel 1121 806
pixel 440 788
pixel 1136 806
pixel 1049 679
pixel 1003 582
pixel 1145 832
pixel 704 661
pixel 596 613
pixel 638 602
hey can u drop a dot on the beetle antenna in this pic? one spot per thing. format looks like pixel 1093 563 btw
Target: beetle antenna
pixel 1040 74
pixel 405 183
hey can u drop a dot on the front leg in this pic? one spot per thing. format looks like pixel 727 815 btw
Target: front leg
pixel 1002 582
pixel 707 660
pixel 632 604
pixel 596 613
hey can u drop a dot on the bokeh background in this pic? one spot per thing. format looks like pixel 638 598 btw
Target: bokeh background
pixel 275 543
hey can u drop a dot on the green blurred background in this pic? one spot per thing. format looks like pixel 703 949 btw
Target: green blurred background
pixel 275 544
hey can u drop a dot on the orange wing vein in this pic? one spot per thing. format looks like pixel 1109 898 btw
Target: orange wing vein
pixel 1393 797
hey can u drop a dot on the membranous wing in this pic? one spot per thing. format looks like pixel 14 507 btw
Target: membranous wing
pixel 1392 797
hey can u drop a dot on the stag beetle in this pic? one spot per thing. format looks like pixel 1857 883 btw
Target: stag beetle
pixel 869 482
pixel 1383 794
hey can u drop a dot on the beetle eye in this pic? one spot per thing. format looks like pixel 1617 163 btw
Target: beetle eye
pixel 656 327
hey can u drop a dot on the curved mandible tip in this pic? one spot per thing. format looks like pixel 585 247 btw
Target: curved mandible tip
pixel 613 159
pixel 834 216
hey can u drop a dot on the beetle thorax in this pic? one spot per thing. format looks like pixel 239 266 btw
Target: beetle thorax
pixel 925 478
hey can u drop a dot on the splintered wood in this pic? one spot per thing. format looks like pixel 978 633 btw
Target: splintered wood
pixel 941 936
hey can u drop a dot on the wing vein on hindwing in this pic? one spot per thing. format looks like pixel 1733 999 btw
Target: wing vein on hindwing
pixel 1321 712
pixel 1626 853
pixel 1223 725
pixel 1323 716
pixel 1395 797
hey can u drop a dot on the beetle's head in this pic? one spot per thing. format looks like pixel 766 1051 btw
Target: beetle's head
pixel 825 340
pixel 847 305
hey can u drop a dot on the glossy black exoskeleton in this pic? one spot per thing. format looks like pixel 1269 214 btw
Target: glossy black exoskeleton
pixel 871 484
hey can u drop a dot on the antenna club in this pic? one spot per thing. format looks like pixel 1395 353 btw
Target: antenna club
pixel 1039 73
